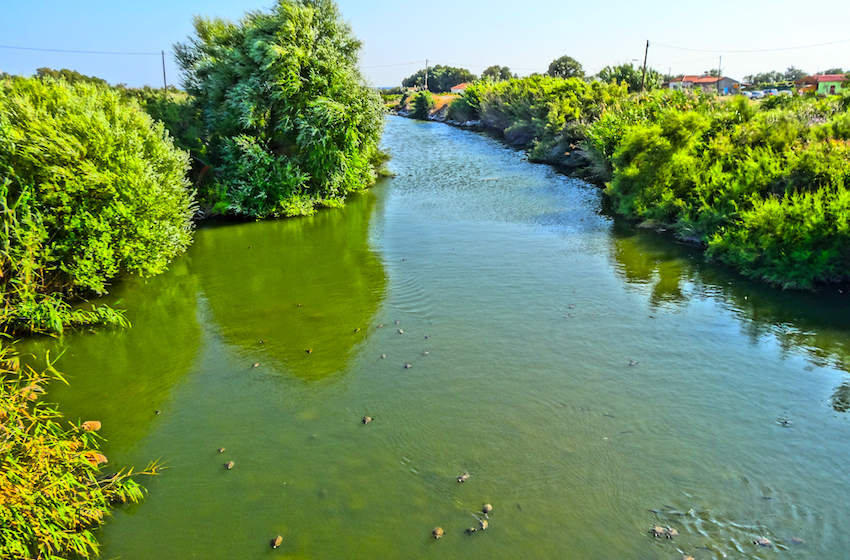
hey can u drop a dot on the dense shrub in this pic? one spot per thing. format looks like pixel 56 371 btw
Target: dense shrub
pixel 764 187
pixel 542 113
pixel 90 187
pixel 176 111
pixel 423 102
pixel 289 119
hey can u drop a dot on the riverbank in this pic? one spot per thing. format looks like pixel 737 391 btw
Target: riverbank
pixel 761 187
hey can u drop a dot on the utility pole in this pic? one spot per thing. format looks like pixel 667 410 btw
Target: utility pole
pixel 426 74
pixel 720 68
pixel 643 76
pixel 164 83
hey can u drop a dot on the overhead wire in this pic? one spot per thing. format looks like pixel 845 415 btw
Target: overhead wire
pixel 81 52
pixel 749 51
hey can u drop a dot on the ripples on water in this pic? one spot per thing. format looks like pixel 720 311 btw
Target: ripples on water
pixel 593 379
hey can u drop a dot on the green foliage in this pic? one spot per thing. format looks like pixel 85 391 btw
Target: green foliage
pixel 90 187
pixel 289 119
pixel 441 79
pixel 52 490
pixel 542 113
pixel 69 76
pixel 175 109
pixel 498 73
pixel 631 76
pixel 423 102
pixel 764 79
pixel 565 67
pixel 763 187
pixel 464 108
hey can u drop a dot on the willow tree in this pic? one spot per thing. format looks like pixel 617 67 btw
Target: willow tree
pixel 289 120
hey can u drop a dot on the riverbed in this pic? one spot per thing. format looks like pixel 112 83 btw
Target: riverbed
pixel 489 314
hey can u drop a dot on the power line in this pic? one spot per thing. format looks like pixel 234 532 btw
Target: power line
pixel 80 52
pixel 755 50
pixel 387 65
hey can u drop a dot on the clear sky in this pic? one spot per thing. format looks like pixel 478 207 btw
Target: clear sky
pixel 474 34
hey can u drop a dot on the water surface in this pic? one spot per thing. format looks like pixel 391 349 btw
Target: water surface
pixel 592 378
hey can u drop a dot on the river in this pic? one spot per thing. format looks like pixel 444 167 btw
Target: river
pixel 593 379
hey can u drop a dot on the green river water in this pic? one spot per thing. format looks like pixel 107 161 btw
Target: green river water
pixel 531 302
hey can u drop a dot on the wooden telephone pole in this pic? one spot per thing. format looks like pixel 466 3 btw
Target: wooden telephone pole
pixel 164 83
pixel 426 74
pixel 643 76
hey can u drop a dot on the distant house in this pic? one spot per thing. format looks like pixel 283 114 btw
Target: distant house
pixel 682 82
pixel 460 88
pixel 824 84
pixel 723 86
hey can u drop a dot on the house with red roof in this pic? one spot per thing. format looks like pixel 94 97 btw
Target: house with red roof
pixel 460 88
pixel 720 85
pixel 824 84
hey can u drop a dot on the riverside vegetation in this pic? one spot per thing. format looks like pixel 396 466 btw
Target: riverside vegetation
pixel 52 490
pixel 762 186
pixel 99 181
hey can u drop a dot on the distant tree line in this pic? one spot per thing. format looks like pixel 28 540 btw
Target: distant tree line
pixel 442 78
pixel 792 74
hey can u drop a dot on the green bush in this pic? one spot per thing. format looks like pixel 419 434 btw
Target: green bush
pixel 282 99
pixel 423 102
pixel 90 187
pixel 542 113
pixel 763 188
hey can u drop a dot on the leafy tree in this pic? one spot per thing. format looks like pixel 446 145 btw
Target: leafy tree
pixel 714 73
pixel 765 78
pixel 422 105
pixel 440 78
pixel 289 119
pixel 90 187
pixel 830 71
pixel 70 76
pixel 498 73
pixel 631 76
pixel 565 67
pixel 794 74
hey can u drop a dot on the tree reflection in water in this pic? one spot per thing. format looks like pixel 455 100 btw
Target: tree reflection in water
pixel 674 274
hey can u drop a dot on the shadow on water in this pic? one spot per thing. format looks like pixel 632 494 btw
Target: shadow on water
pixel 123 376
pixel 304 286
pixel 816 324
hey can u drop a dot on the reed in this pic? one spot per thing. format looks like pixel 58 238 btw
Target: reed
pixel 53 491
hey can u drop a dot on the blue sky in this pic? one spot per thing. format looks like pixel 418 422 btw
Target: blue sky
pixel 474 34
